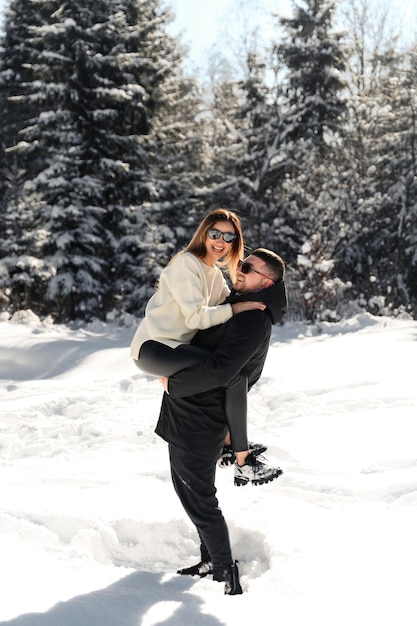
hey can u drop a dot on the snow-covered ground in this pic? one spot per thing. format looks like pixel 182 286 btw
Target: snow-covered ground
pixel 91 531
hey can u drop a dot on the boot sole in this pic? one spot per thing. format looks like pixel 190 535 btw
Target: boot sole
pixel 241 482
pixel 195 574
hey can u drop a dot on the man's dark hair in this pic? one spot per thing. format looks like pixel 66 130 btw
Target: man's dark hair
pixel 273 261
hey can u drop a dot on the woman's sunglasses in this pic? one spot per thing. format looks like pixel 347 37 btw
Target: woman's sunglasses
pixel 245 267
pixel 213 233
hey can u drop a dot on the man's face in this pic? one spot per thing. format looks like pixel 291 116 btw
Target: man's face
pixel 252 281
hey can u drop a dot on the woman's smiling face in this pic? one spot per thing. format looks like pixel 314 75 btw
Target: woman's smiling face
pixel 217 248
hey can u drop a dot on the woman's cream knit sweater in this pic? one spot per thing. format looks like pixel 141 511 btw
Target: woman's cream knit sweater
pixel 187 299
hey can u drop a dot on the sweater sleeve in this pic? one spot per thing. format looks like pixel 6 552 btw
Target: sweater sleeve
pixel 187 283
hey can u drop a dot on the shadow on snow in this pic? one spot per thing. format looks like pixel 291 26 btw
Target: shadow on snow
pixel 126 603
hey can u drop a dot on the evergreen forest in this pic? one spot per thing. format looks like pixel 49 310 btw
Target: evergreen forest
pixel 111 152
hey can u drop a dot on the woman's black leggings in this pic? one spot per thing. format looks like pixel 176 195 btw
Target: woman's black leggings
pixel 160 360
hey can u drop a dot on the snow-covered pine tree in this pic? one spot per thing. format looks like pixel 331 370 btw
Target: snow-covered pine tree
pixel 248 161
pixel 15 113
pixel 406 275
pixel 162 222
pixel 313 57
pixel 373 248
pixel 317 290
pixel 392 245
pixel 96 78
pixel 20 271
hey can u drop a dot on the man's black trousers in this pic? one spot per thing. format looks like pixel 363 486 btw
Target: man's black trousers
pixel 193 478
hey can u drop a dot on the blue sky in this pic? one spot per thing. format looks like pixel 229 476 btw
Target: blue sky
pixel 205 23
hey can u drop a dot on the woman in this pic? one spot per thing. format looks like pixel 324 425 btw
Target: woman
pixel 190 292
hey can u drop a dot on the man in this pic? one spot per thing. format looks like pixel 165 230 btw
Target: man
pixel 192 418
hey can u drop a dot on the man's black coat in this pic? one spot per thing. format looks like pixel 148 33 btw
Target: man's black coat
pixel 192 415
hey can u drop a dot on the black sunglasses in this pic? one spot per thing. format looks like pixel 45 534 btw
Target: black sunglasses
pixel 213 233
pixel 245 267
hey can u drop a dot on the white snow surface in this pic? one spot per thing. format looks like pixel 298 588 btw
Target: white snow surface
pixel 92 533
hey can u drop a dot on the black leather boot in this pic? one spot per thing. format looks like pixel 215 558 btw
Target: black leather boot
pixel 230 577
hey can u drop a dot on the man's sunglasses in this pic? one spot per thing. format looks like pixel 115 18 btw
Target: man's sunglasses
pixel 245 267
pixel 213 233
